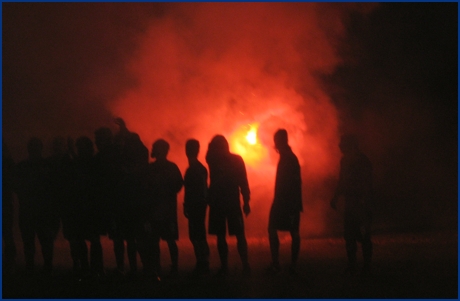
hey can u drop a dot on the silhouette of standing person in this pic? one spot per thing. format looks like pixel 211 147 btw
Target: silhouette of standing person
pixel 227 179
pixel 8 166
pixel 37 213
pixel 108 169
pixel 195 205
pixel 287 203
pixel 61 177
pixel 355 187
pixel 83 217
pixel 164 181
pixel 134 157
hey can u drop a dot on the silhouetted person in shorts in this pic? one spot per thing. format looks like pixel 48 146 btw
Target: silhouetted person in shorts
pixel 9 247
pixel 287 203
pixel 195 205
pixel 227 179
pixel 37 214
pixel 355 188
pixel 164 181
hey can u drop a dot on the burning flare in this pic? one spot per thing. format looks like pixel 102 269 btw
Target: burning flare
pixel 251 137
pixel 245 143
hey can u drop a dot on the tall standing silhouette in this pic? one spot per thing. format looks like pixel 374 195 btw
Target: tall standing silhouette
pixel 38 216
pixel 287 203
pixel 163 182
pixel 355 187
pixel 195 205
pixel 228 179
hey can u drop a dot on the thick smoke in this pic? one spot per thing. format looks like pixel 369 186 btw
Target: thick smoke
pixel 218 68
pixel 177 71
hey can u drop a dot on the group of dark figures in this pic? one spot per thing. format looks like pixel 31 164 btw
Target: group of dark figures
pixel 115 191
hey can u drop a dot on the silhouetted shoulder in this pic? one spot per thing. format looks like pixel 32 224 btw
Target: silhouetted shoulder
pixel 237 160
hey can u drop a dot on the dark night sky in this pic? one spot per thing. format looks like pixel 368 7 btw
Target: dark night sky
pixel 392 78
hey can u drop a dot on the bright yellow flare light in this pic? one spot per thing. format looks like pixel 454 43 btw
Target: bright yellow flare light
pixel 252 135
pixel 245 143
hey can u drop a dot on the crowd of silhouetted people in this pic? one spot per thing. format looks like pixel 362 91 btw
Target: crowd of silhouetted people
pixel 111 188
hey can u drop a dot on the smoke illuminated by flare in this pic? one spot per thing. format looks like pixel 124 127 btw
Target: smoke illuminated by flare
pixel 245 142
pixel 242 70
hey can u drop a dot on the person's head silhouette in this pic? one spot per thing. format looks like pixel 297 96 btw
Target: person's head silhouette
pixel 192 148
pixel 160 149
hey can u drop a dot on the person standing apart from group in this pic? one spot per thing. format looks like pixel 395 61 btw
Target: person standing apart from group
pixel 355 189
pixel 287 203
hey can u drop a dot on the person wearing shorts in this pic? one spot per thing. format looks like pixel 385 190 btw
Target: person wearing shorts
pixel 228 179
pixel 164 181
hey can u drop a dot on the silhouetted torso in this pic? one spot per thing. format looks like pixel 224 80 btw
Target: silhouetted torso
pixel 355 181
pixel 33 187
pixel 288 190
pixel 227 175
pixel 164 181
pixel 60 180
pixel 195 185
pixel 85 209
pixel 109 174
pixel 134 159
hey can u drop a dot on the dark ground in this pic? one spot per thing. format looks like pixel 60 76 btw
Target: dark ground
pixel 421 265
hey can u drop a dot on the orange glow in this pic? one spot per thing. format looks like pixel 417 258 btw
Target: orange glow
pixel 245 143
pixel 190 83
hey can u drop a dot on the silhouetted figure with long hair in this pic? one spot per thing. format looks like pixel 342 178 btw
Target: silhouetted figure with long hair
pixel 163 182
pixel 227 179
pixel 37 213
pixel 287 203
pixel 83 215
pixel 355 187
pixel 9 247
pixel 134 157
pixel 195 205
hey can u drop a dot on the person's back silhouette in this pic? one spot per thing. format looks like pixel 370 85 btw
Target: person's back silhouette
pixel 227 179
pixel 61 181
pixel 164 181
pixel 287 203
pixel 84 214
pixel 355 186
pixel 37 214
pixel 108 165
pixel 133 157
pixel 195 205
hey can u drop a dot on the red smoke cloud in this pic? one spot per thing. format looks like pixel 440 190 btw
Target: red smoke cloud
pixel 220 68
